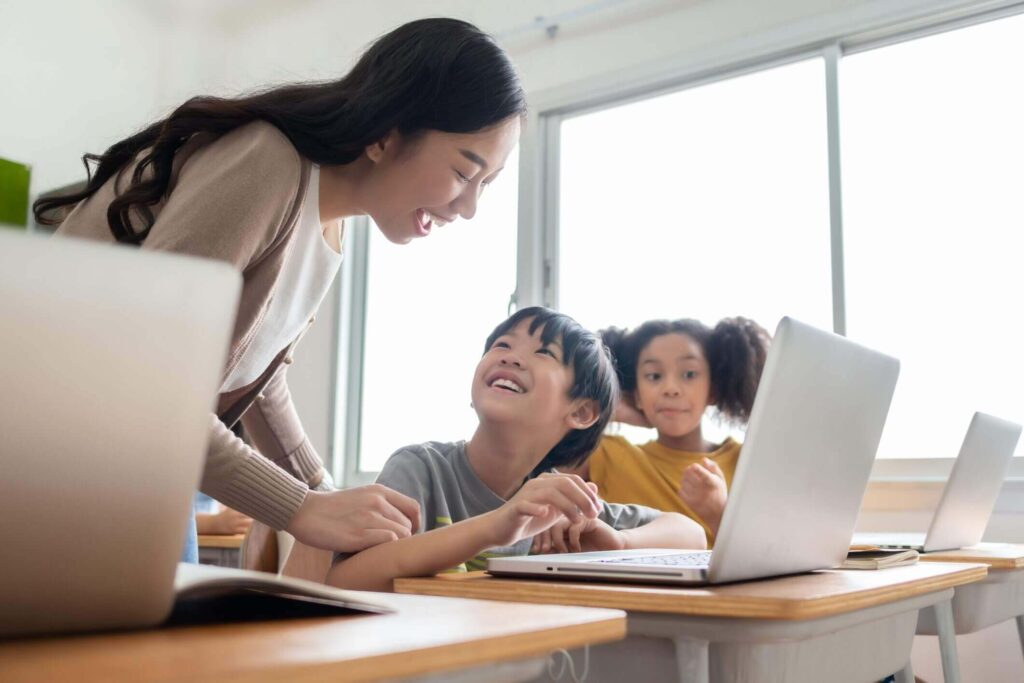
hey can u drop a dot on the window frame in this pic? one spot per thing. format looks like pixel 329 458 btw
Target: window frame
pixel 829 37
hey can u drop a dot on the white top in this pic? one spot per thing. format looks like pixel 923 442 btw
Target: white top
pixel 309 268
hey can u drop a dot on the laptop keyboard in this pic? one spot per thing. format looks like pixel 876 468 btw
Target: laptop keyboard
pixel 697 559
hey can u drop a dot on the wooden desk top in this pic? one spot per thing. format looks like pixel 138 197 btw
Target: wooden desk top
pixel 804 596
pixel 995 555
pixel 425 636
pixel 218 541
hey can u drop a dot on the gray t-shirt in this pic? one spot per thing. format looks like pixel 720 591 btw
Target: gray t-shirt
pixel 439 477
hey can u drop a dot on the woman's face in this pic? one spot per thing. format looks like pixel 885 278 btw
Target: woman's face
pixel 423 183
pixel 673 384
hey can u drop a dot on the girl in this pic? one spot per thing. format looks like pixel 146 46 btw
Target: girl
pixel 410 137
pixel 543 392
pixel 671 373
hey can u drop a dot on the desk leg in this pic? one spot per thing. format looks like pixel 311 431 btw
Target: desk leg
pixel 692 660
pixel 1020 631
pixel 947 641
pixel 905 675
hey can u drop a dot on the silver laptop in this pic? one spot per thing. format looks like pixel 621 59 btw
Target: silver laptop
pixel 110 360
pixel 970 493
pixel 813 433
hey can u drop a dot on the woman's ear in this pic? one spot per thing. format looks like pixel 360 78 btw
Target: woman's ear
pixel 376 151
pixel 584 414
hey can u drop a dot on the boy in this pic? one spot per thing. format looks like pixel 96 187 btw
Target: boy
pixel 543 391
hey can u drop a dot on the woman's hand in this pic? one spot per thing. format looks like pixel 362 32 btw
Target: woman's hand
pixel 354 519
pixel 703 490
pixel 539 504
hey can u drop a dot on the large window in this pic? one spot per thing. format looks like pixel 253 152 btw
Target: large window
pixel 430 306
pixel 706 203
pixel 933 175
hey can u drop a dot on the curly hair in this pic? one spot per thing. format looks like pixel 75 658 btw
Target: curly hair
pixel 736 349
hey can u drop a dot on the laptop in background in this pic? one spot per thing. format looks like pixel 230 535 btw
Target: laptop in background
pixel 969 495
pixel 110 361
pixel 812 437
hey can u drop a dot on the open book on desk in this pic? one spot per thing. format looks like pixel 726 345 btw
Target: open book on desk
pixel 205 594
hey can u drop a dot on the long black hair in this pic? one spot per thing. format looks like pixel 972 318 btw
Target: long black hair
pixel 593 378
pixel 431 74
pixel 736 350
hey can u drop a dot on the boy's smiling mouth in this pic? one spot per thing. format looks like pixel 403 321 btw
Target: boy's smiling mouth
pixel 506 382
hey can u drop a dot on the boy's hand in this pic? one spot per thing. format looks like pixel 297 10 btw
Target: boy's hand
pixel 583 536
pixel 703 490
pixel 539 504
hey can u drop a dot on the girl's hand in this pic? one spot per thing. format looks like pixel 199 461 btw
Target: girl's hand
pixel 627 414
pixel 227 522
pixel 583 536
pixel 703 490
pixel 541 503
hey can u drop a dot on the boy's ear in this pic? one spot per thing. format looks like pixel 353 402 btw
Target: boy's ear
pixel 584 414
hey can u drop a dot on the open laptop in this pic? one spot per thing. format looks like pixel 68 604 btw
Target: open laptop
pixel 969 495
pixel 813 433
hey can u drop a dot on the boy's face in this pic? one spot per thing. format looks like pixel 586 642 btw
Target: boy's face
pixel 673 384
pixel 520 380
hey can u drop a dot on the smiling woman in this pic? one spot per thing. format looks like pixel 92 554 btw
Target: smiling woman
pixel 410 136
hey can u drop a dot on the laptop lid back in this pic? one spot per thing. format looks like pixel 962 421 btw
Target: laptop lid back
pixel 812 437
pixel 972 489
pixel 110 361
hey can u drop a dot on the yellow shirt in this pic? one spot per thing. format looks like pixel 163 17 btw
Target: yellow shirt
pixel 650 474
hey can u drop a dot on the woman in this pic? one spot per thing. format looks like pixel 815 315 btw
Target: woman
pixel 410 137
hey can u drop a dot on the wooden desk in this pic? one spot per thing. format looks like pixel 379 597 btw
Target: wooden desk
pixel 854 625
pixel 425 636
pixel 222 551
pixel 992 601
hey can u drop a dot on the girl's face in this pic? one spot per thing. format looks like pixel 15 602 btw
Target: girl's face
pixel 433 179
pixel 673 384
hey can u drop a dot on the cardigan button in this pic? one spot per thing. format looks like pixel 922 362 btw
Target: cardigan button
pixel 288 360
pixel 260 397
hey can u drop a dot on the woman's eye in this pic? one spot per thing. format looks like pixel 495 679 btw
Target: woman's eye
pixel 652 377
pixel 690 374
pixel 500 345
pixel 547 351
pixel 462 177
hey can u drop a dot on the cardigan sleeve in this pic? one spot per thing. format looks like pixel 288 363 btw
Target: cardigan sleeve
pixel 241 478
pixel 273 426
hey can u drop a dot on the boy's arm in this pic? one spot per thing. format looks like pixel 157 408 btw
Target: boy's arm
pixel 540 503
pixel 420 555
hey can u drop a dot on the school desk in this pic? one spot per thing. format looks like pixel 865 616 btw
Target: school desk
pixel 426 638
pixel 222 551
pixel 830 625
pixel 997 598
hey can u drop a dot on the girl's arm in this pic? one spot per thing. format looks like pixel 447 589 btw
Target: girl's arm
pixel 668 530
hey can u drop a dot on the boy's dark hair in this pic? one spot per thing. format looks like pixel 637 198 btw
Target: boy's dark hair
pixel 593 377
pixel 735 349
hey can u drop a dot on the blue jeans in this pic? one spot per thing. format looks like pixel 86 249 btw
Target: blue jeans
pixel 190 551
